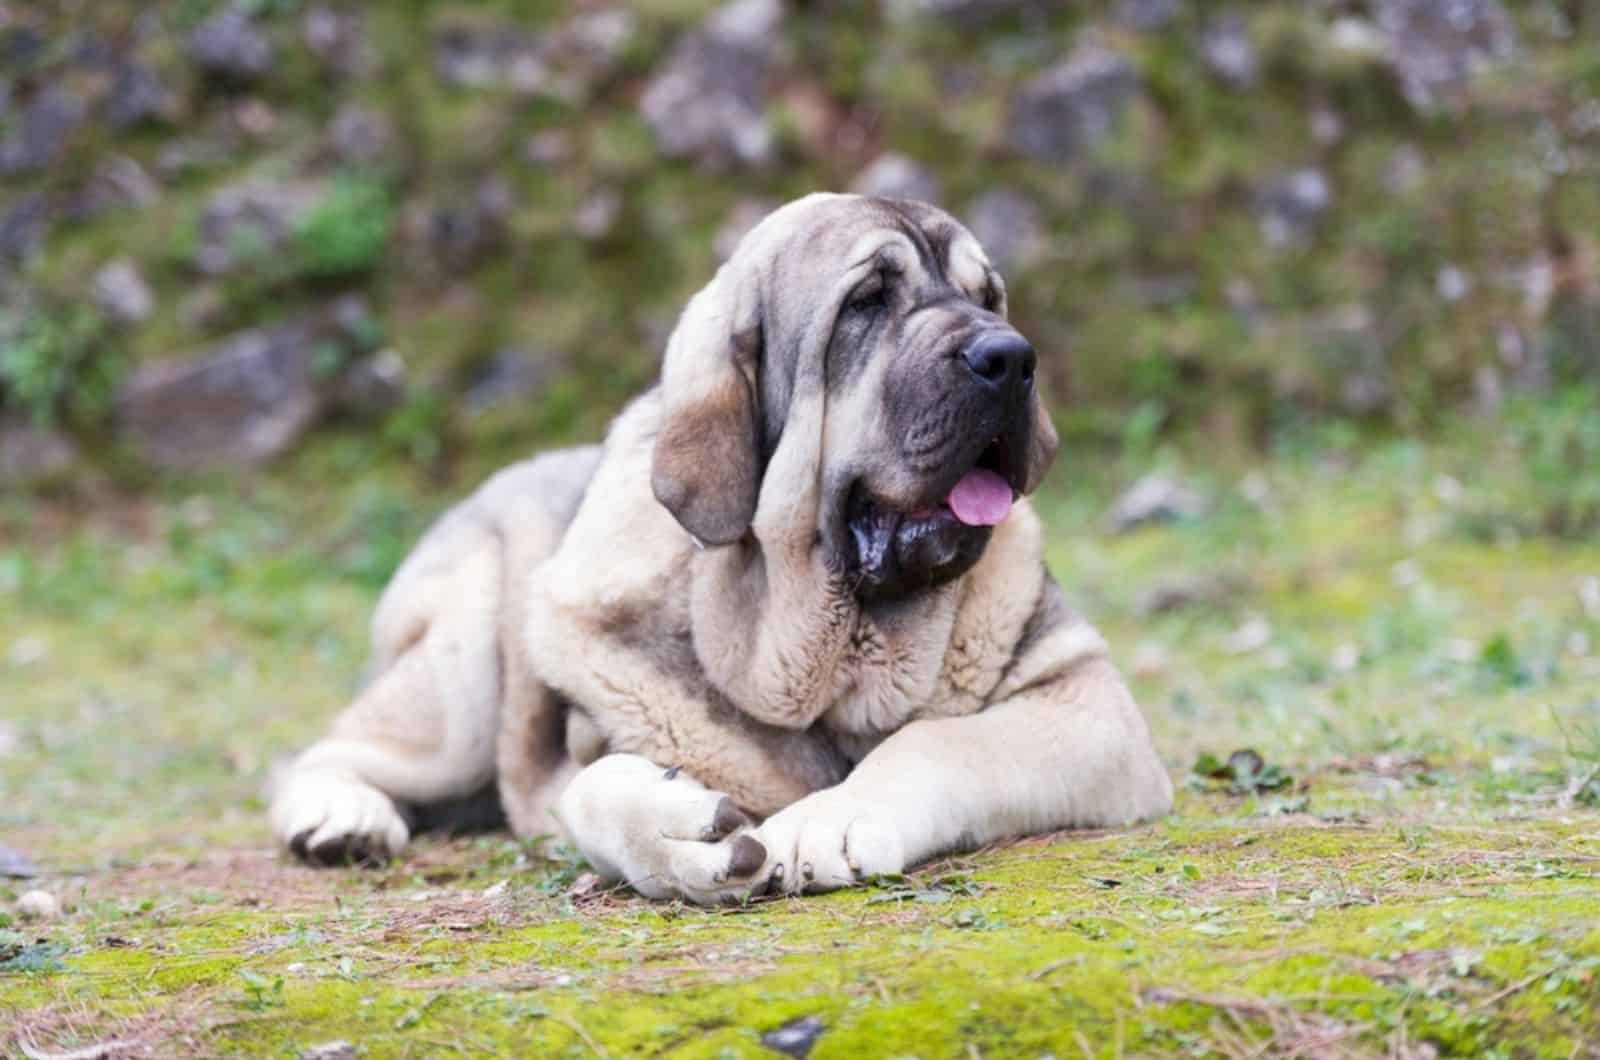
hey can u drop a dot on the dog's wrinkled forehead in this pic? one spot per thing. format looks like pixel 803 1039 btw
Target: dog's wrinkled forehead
pixel 809 246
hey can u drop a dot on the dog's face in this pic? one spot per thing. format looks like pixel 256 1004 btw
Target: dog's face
pixel 851 367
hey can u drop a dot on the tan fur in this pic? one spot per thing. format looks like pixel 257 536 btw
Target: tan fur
pixel 684 616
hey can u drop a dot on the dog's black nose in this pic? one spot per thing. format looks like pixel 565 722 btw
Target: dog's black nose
pixel 1001 359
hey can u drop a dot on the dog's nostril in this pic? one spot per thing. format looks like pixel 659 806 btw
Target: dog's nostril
pixel 1000 358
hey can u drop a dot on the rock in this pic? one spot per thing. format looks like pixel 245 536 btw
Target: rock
pixel 489 58
pixel 360 135
pixel 1405 170
pixel 117 183
pixel 1436 46
pixel 337 39
pixel 329 1051
pixel 1007 223
pixel 1069 107
pixel 463 232
pixel 1452 283
pixel 122 292
pixel 1327 125
pixel 893 176
pixel 548 147
pixel 1146 15
pixel 964 12
pixel 241 404
pixel 229 44
pixel 371 386
pixel 745 215
pixel 137 95
pixel 16 865
pixel 1154 498
pixel 246 222
pixel 512 374
pixel 38 905
pixel 42 131
pixel 1290 207
pixel 597 217
pixel 23 227
pixel 707 102
pixel 795 1038
pixel 1226 51
pixel 31 455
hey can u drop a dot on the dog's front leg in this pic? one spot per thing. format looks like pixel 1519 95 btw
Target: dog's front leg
pixel 660 831
pixel 1070 751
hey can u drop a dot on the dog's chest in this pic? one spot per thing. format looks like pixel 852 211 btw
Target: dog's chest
pixel 899 667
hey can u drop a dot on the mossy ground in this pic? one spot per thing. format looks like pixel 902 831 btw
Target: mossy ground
pixel 1369 614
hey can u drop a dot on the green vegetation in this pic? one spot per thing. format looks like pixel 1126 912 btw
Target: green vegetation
pixel 59 362
pixel 1406 860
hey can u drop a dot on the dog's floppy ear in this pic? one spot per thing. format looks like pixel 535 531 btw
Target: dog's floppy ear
pixel 706 465
pixel 1042 441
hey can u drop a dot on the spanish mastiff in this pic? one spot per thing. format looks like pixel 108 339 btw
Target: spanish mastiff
pixel 799 584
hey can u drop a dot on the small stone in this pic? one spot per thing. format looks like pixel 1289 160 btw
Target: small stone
pixel 23 227
pixel 137 95
pixel 1146 15
pixel 337 39
pixel 1225 49
pixel 548 147
pixel 247 222
pixel 229 44
pixel 31 455
pixel 1009 226
pixel 1254 635
pixel 1327 125
pixel 1452 284
pixel 14 863
pixel 795 1038
pixel 1405 170
pixel 894 176
pixel 511 375
pixel 587 884
pixel 42 131
pixel 597 217
pixel 963 12
pixel 329 1051
pixel 360 135
pixel 1071 106
pixel 1155 498
pixel 38 905
pixel 1291 207
pixel 122 292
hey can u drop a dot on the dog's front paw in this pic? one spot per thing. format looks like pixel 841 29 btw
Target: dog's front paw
pixel 826 841
pixel 661 831
pixel 328 817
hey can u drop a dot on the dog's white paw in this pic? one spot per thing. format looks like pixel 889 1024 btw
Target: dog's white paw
pixel 329 817
pixel 828 840
pixel 661 831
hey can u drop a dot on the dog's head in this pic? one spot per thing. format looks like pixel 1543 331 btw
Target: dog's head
pixel 849 376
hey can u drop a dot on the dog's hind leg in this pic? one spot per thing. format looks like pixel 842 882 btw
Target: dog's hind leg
pixel 423 731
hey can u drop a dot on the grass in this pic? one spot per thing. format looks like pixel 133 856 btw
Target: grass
pixel 1407 868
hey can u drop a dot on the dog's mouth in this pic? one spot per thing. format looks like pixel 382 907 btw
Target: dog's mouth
pixel 902 549
pixel 983 494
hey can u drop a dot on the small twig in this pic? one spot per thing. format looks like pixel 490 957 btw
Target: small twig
pixel 98 1051
pixel 1083 1043
pixel 577 1028
pixel 1515 988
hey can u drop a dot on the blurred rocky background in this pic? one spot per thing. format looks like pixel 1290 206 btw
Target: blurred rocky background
pixel 226 224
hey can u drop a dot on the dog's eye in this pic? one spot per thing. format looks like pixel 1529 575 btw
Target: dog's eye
pixel 870 295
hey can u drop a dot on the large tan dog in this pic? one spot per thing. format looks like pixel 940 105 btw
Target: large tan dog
pixel 798 582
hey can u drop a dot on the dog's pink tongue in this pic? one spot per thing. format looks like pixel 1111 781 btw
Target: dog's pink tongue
pixel 981 498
